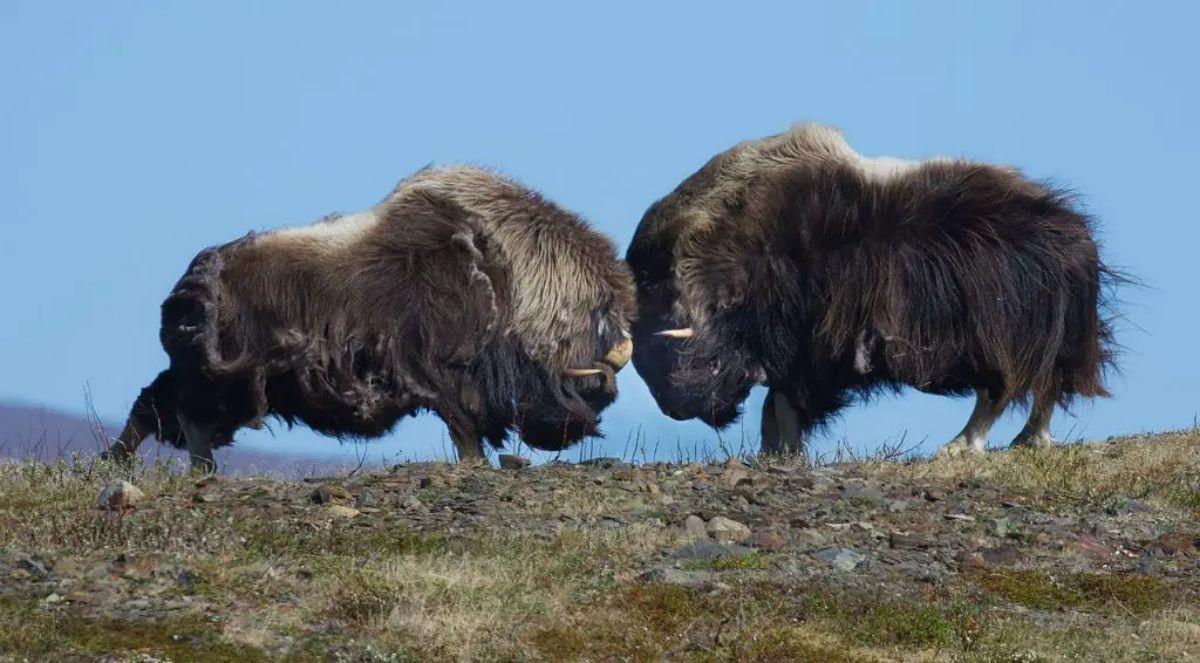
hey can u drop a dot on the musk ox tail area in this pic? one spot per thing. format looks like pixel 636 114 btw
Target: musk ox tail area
pixel 965 276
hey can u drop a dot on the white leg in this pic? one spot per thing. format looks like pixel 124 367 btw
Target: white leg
pixel 1036 432
pixel 199 444
pixel 973 438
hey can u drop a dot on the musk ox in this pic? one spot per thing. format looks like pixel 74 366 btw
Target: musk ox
pixel 796 262
pixel 462 293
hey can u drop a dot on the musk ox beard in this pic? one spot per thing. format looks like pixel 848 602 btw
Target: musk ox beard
pixel 461 293
pixel 795 262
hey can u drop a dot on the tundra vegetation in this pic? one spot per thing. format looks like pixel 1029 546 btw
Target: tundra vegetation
pixel 1085 551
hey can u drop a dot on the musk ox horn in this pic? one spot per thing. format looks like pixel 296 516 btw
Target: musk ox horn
pixel 686 332
pixel 582 372
pixel 620 354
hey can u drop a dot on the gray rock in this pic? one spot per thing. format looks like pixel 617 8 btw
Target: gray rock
pixel 514 462
pixel 328 493
pixel 922 572
pixel 1137 505
pixel 821 482
pixel 842 559
pixel 694 528
pixel 708 549
pixel 809 538
pixel 905 541
pixel 727 530
pixel 1005 555
pixel 120 495
pixel 733 476
pixel 137 604
pixel 341 511
pixel 690 578
pixel 858 489
pixel 32 564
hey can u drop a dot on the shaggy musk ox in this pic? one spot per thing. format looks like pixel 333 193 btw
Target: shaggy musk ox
pixel 796 262
pixel 462 293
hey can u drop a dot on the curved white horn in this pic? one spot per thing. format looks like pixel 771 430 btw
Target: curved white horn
pixel 582 372
pixel 686 332
pixel 620 354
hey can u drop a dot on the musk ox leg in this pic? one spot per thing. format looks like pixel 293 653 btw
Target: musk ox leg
pixel 468 445
pixel 125 446
pixel 1036 432
pixel 782 431
pixel 199 439
pixel 973 438
pixel 152 414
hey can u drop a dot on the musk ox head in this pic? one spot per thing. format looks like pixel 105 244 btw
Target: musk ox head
pixel 709 305
pixel 564 305
pixel 557 407
pixel 692 341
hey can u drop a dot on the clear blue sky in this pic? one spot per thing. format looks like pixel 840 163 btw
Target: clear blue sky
pixel 133 134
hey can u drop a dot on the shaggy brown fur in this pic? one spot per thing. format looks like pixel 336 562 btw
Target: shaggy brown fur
pixel 797 262
pixel 462 292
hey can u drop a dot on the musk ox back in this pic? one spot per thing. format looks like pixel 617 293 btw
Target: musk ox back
pixel 462 293
pixel 796 262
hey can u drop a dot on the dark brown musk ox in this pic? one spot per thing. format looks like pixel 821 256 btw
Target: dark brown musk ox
pixel 796 262
pixel 462 293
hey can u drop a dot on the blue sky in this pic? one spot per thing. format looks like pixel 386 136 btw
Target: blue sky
pixel 133 134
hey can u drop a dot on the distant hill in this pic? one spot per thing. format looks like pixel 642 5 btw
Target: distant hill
pixel 31 431
pixel 35 432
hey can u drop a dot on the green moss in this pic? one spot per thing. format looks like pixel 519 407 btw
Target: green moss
pixel 361 597
pixel 663 607
pixel 27 632
pixel 883 621
pixel 1187 498
pixel 889 623
pixel 754 561
pixel 1042 591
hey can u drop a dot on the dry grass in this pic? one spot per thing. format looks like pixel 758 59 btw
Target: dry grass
pixel 281 588
pixel 1162 469
pixel 479 601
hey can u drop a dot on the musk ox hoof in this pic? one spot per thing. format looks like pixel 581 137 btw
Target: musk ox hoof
pixel 117 454
pixel 1034 440
pixel 962 447
pixel 474 461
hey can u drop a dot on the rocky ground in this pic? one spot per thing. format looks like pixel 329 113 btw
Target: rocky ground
pixel 1083 552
